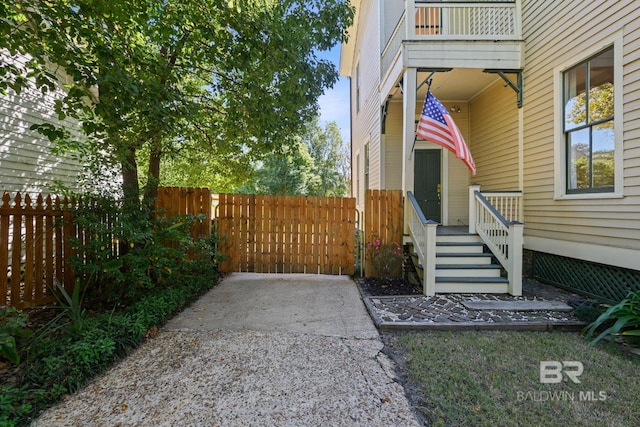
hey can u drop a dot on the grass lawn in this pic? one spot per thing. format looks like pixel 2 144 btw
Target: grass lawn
pixel 493 379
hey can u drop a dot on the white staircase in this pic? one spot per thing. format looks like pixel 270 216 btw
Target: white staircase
pixel 463 266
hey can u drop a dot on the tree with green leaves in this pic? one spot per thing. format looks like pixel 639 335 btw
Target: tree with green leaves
pixel 174 78
pixel 317 165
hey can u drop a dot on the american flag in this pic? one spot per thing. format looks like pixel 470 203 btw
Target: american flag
pixel 436 125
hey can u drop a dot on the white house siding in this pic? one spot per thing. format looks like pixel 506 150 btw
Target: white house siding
pixel 26 163
pixel 494 138
pixel 366 121
pixel 597 229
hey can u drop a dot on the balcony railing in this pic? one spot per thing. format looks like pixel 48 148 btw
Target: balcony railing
pixel 462 20
pixel 480 20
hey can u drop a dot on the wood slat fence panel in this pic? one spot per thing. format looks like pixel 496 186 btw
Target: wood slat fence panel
pixel 36 239
pixel 34 247
pixel 383 219
pixel 286 234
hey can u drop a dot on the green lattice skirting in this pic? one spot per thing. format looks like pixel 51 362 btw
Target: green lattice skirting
pixel 603 282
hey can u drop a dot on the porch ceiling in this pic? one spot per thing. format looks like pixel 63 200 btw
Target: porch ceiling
pixel 459 84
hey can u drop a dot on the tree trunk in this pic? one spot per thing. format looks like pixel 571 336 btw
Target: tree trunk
pixel 130 188
pixel 151 189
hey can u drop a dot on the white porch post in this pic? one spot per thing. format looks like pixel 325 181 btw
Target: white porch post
pixel 430 259
pixel 515 258
pixel 472 207
pixel 409 130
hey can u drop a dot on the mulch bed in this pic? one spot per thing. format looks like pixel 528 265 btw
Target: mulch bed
pixel 373 286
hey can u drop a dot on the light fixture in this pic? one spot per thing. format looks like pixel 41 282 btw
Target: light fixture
pixel 455 109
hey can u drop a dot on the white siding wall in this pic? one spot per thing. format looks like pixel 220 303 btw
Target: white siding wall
pixel 598 229
pixel 366 121
pixel 26 163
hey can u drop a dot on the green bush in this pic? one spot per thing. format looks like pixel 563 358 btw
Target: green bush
pixel 12 324
pixel 122 254
pixel 62 362
pixel 620 319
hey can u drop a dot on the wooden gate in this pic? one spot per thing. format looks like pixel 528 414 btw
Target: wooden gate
pixel 287 234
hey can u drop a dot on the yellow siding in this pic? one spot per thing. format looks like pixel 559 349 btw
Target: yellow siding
pixel 458 174
pixel 577 26
pixel 393 147
pixel 494 138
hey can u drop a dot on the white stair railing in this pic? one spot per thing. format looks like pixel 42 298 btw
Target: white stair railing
pixel 423 235
pixel 503 237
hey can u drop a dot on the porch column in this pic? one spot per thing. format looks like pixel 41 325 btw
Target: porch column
pixel 409 85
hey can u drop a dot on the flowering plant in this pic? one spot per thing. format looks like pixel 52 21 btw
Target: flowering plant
pixel 385 259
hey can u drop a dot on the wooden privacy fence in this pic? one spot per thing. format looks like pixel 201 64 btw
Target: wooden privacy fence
pixel 36 235
pixel 383 219
pixel 34 248
pixel 287 234
pixel 187 201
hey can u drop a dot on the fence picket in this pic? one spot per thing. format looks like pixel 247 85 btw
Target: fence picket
pixel 291 234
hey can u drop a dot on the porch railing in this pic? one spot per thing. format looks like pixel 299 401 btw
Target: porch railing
pixel 423 235
pixel 503 236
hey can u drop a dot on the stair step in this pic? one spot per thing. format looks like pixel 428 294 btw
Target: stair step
pixel 468 270
pixel 459 247
pixel 463 258
pixel 472 285
pixel 458 238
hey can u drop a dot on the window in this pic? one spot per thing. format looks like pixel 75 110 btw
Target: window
pixel 588 116
pixel 358 177
pixel 357 87
pixel 366 166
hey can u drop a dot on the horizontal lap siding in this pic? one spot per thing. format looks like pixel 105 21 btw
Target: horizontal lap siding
pixel 494 138
pixel 26 163
pixel 366 121
pixel 576 26
pixel 393 147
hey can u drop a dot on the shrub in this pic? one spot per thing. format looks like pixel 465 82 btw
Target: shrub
pixel 122 253
pixel 12 324
pixel 386 259
pixel 620 319
pixel 63 362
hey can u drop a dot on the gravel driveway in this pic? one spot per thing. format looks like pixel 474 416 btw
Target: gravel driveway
pixel 257 350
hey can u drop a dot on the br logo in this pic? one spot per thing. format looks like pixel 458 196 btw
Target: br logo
pixel 553 371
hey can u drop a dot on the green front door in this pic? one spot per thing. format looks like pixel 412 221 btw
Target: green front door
pixel 426 184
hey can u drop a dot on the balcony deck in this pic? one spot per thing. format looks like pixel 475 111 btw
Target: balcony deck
pixel 482 34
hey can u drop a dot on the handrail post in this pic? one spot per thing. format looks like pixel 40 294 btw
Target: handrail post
pixel 430 259
pixel 515 258
pixel 472 207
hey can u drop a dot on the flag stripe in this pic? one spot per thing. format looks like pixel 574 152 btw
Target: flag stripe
pixel 437 125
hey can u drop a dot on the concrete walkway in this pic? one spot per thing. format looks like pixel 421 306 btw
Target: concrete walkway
pixel 258 350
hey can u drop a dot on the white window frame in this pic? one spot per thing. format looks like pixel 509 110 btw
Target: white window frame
pixel 560 151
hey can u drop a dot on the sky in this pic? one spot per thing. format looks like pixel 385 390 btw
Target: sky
pixel 334 104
